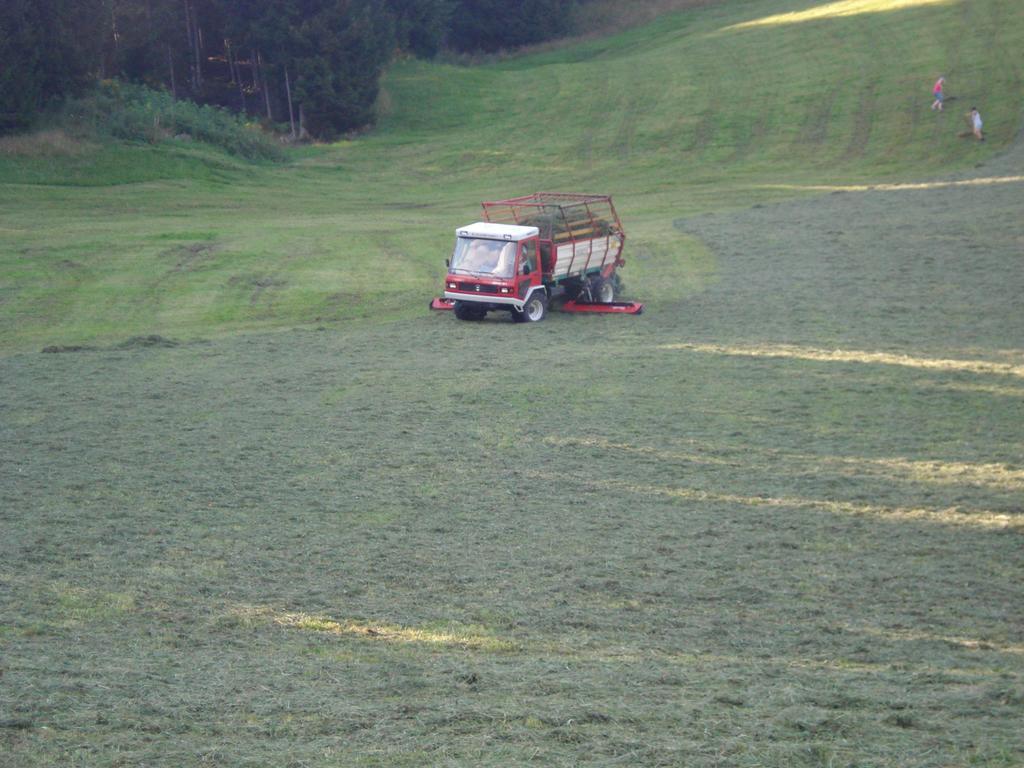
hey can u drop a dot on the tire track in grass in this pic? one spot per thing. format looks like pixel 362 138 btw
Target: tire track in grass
pixel 641 101
pixel 622 145
pixel 186 260
pixel 817 124
pixel 753 132
pixel 584 149
pixel 705 128
pixel 861 45
pixel 863 122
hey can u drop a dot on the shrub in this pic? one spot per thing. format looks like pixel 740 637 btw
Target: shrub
pixel 137 113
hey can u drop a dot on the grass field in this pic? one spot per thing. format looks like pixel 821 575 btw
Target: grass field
pixel 260 507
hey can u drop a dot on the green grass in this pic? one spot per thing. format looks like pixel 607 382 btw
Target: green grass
pixel 682 116
pixel 260 507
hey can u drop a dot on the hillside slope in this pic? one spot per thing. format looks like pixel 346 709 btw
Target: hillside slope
pixel 736 90
pixel 714 108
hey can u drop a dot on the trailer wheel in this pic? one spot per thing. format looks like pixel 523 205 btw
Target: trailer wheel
pixel 534 310
pixel 604 290
pixel 465 310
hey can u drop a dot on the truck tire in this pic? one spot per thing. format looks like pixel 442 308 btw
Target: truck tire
pixel 603 290
pixel 534 310
pixel 466 310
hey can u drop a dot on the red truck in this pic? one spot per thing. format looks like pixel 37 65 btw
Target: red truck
pixel 532 249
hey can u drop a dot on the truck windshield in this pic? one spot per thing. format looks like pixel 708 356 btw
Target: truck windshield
pixel 484 257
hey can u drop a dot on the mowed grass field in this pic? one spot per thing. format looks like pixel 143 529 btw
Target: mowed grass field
pixel 260 507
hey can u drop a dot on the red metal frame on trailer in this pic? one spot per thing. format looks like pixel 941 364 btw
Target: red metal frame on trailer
pixel 566 244
pixel 563 219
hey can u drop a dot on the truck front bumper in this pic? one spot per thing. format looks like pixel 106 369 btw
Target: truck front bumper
pixel 485 298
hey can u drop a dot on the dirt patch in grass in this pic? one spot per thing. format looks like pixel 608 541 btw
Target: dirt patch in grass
pixel 57 349
pixel 135 342
pixel 148 341
pixel 191 256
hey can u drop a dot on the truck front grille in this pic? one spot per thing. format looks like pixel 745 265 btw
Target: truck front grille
pixel 478 288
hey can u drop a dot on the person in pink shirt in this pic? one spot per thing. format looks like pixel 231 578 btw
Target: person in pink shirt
pixel 937 93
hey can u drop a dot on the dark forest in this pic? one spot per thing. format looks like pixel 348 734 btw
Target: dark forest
pixel 312 64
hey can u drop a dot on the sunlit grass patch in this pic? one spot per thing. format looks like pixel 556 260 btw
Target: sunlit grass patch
pixel 953 516
pixel 837 10
pixel 452 635
pixel 991 475
pixel 81 604
pixel 966 643
pixel 793 352
pixel 973 387
pixel 899 468
pixel 984 181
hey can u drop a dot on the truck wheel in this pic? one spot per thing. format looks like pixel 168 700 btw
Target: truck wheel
pixel 465 310
pixel 604 291
pixel 534 310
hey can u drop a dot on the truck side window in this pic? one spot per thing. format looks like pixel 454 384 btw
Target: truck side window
pixel 529 259
pixel 545 256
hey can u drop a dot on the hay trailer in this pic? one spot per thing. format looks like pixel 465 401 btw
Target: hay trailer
pixel 531 250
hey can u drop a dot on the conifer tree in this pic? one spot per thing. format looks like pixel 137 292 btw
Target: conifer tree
pixel 313 62
pixel 339 53
pixel 422 25
pixel 48 48
pixel 492 25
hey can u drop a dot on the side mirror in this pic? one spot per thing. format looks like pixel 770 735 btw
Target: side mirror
pixel 447 264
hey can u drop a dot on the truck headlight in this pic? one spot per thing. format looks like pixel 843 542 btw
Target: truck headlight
pixel 505 290
pixel 453 286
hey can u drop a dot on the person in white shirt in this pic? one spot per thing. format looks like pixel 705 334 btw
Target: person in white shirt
pixel 974 117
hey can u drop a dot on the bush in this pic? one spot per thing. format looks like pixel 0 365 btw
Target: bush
pixel 137 113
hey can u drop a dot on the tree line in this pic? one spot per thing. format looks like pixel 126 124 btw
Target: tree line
pixel 313 64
